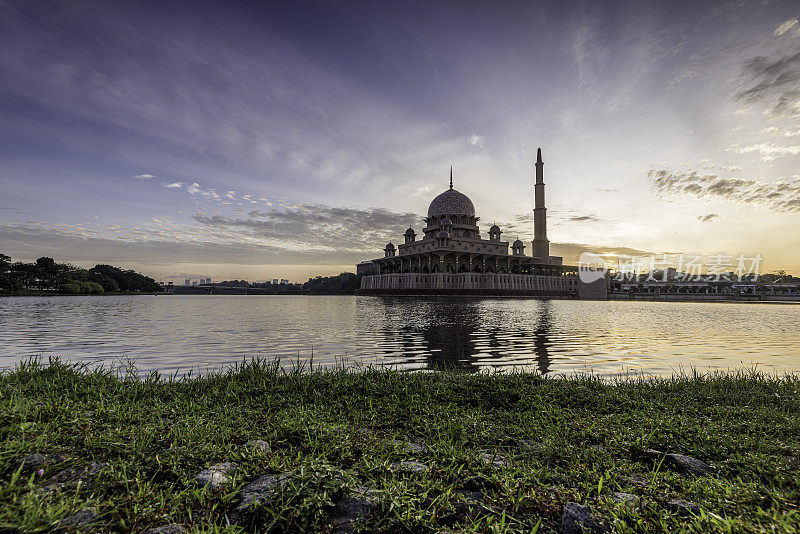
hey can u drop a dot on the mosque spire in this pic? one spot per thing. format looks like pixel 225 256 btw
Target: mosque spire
pixel 451 177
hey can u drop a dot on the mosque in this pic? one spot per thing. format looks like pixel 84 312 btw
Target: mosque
pixel 451 257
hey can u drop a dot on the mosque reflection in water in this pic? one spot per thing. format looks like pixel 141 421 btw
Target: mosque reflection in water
pixel 463 334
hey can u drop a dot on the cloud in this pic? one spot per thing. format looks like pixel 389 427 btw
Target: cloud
pixel 174 185
pixel 148 248
pixel 196 190
pixel 791 26
pixel 707 218
pixel 772 82
pixel 584 218
pixel 319 227
pixel 476 140
pixel 146 176
pixel 768 151
pixel 782 196
pixel 572 251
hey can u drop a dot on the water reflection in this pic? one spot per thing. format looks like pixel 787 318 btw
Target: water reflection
pixel 460 334
pixel 181 333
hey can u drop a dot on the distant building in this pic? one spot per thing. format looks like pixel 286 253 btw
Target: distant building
pixel 187 282
pixel 275 281
pixel 452 258
pixel 283 281
pixel 208 280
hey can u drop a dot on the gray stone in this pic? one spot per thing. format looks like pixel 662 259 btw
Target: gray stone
pixel 679 462
pixel 75 473
pixel 365 493
pixel 408 446
pixel 621 497
pixel 257 445
pixel 637 481
pixel 79 521
pixel 75 476
pixel 348 511
pixel 528 445
pixel 497 461
pixel 32 462
pixel 687 464
pixel 681 507
pixel 166 529
pixel 411 466
pixel 577 519
pixel 216 476
pixel 259 491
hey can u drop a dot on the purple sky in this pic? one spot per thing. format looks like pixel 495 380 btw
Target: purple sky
pixel 262 139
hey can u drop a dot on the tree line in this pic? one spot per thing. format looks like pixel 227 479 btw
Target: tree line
pixel 341 284
pixel 48 275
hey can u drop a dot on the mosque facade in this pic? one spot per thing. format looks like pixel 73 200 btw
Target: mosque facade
pixel 452 258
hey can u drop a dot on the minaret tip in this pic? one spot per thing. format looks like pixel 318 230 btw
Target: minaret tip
pixel 451 177
pixel 539 155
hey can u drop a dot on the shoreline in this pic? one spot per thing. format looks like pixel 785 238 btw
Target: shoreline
pixel 390 451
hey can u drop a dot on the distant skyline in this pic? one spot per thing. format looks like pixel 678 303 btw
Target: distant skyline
pixel 256 140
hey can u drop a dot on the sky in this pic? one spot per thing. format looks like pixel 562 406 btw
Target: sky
pixel 259 140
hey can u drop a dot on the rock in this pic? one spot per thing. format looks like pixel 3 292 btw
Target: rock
pixel 637 481
pixel 348 511
pixel 408 446
pixel 577 519
pixel 681 507
pixel 365 493
pixel 71 477
pixel 497 461
pixel 410 466
pixel 79 521
pixel 166 529
pixel 258 491
pixel 32 462
pixel 257 445
pixel 687 464
pixel 679 462
pixel 621 497
pixel 528 445
pixel 216 476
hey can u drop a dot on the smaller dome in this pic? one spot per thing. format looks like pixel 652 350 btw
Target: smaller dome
pixel 518 243
pixel 389 247
pixel 410 231
pixel 494 229
pixel 443 234
pixel 447 222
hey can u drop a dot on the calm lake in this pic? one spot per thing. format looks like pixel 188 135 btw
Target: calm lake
pixel 182 333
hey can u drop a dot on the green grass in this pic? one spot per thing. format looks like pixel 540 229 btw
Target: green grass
pixel 329 430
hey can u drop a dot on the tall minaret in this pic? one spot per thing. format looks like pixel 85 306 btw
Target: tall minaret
pixel 541 246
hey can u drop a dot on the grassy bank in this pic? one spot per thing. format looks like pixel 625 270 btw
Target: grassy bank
pixel 419 452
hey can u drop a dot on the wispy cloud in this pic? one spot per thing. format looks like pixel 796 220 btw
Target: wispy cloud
pixel 174 185
pixel 780 196
pixel 196 190
pixel 707 218
pixel 146 176
pixel 768 151
pixel 790 27
pixel 318 227
pixel 584 218
pixel 773 82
